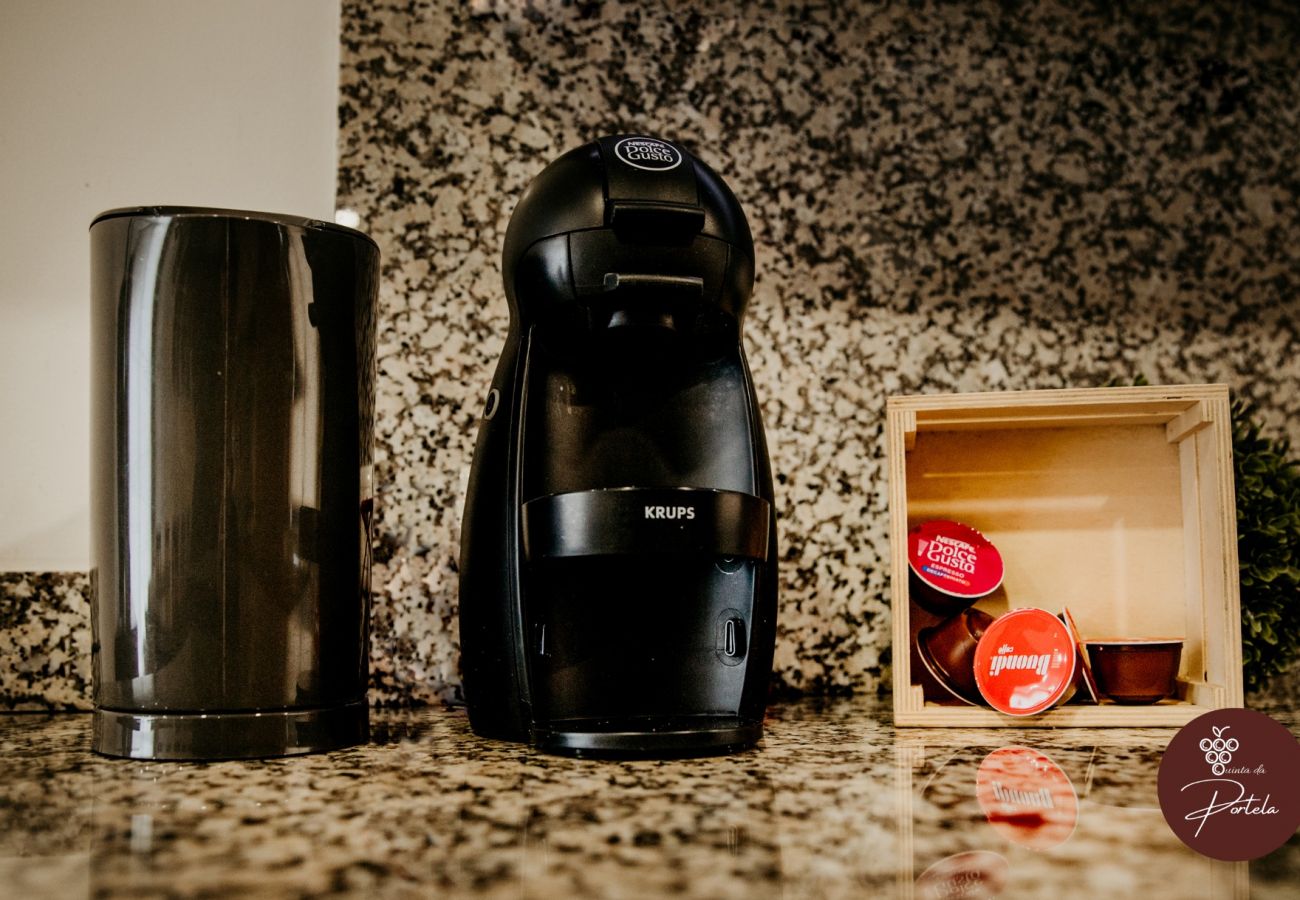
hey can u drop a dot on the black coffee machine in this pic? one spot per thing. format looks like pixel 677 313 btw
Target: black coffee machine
pixel 618 558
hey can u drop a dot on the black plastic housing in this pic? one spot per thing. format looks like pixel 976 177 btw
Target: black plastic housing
pixel 618 553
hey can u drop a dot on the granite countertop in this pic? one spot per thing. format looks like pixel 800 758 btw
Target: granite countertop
pixel 834 803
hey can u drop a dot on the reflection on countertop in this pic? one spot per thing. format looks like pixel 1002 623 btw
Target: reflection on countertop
pixel 834 803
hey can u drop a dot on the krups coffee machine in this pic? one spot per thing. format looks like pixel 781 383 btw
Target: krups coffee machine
pixel 618 558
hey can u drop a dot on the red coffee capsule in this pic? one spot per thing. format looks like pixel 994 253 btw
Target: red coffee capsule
pixel 1025 662
pixel 970 875
pixel 952 564
pixel 1085 685
pixel 1027 798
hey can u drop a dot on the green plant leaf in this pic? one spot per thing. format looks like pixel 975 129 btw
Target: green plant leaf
pixel 1268 547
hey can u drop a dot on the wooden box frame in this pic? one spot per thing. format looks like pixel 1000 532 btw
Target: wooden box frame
pixel 1118 502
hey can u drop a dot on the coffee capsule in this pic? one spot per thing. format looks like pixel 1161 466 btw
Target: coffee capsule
pixel 1027 798
pixel 1136 671
pixel 1085 685
pixel 948 652
pixel 1025 662
pixel 952 565
pixel 966 876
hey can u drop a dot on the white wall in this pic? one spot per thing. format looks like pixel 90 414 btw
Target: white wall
pixel 125 103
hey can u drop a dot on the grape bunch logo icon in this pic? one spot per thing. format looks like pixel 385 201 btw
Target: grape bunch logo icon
pixel 1218 750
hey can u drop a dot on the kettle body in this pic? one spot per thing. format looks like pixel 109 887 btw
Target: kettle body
pixel 619 554
pixel 233 355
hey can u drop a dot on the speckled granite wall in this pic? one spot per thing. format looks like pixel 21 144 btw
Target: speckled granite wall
pixel 44 641
pixel 943 198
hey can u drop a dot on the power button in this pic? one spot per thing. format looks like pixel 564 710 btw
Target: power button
pixel 729 637
pixel 493 401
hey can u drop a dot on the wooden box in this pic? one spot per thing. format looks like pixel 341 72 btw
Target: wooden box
pixel 1116 502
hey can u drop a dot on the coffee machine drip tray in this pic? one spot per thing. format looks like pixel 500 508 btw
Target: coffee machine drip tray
pixel 646 521
pixel 639 604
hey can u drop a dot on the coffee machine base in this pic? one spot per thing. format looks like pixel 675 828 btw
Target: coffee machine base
pixel 229 735
pixel 627 739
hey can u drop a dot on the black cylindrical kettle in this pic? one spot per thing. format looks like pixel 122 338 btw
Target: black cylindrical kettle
pixel 618 554
pixel 233 406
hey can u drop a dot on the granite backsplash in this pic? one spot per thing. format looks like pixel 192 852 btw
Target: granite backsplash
pixel 943 198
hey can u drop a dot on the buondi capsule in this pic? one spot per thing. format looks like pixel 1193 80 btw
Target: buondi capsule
pixel 1025 662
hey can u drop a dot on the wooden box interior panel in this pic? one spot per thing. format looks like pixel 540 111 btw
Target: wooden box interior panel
pixel 1090 518
pixel 1115 502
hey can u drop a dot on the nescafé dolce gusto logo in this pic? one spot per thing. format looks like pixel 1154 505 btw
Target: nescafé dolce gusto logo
pixel 649 154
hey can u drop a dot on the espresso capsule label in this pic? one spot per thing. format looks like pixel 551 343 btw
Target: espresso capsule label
pixel 954 559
